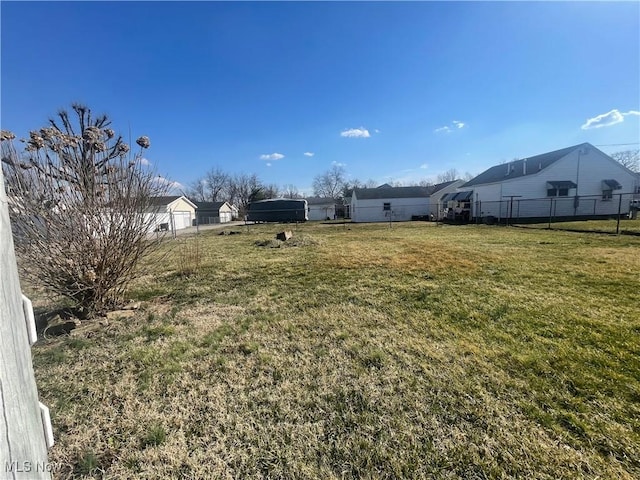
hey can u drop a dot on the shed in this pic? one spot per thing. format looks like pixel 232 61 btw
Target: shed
pixel 321 208
pixel 213 212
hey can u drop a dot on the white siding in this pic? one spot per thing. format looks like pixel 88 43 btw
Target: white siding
pixel 322 211
pixel 435 206
pixel 226 213
pixel 593 167
pixel 402 209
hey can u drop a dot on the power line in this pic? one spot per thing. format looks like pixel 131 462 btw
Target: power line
pixel 617 144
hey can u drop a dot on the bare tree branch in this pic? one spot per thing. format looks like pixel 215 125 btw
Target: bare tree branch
pixel 80 208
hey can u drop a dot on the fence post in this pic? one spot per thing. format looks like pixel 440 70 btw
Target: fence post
pixel 619 209
pixel 550 211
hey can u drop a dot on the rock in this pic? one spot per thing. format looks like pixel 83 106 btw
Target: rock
pixel 284 236
pixel 57 326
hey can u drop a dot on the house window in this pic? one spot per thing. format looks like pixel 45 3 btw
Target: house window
pixel 557 192
pixel 607 194
pixel 386 207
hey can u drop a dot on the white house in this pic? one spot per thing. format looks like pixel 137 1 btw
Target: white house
pixel 171 213
pixel 386 203
pixel 321 208
pixel 577 181
pixel 213 212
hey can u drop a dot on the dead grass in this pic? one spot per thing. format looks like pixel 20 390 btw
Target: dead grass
pixel 410 352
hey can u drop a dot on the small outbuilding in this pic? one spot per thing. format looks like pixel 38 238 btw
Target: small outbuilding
pixel 321 208
pixel 173 212
pixel 213 212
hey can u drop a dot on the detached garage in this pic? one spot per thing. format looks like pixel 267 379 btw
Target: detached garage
pixel 213 212
pixel 171 213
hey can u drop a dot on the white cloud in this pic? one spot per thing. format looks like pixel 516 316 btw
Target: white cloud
pixel 355 133
pixel 377 131
pixel 607 119
pixel 424 166
pixel 447 129
pixel 273 156
pixel 308 154
pixel 338 164
pixel 268 164
pixel 165 181
pixel 144 161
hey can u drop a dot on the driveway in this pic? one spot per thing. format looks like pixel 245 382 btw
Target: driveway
pixel 202 228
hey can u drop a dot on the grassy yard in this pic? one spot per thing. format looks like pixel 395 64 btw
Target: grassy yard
pixel 627 226
pixel 361 351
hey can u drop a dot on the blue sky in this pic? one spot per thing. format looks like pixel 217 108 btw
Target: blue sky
pixel 375 86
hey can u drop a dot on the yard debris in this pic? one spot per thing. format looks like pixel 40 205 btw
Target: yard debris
pixel 284 236
pixel 229 232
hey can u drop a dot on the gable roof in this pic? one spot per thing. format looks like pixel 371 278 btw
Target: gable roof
pixel 165 200
pixel 320 201
pixel 168 199
pixel 209 205
pixel 535 164
pixel 399 192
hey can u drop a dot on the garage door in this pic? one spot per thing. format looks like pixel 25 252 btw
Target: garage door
pixel 225 217
pixel 181 220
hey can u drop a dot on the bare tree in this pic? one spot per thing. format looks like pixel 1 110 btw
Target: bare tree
pixel 629 159
pixel 426 182
pixel 291 191
pixel 271 191
pixel 467 176
pixel 197 190
pixel 448 176
pixel 331 183
pixel 242 189
pixel 81 208
pixel 216 182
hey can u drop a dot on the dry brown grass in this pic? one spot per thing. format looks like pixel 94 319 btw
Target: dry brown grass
pixel 410 352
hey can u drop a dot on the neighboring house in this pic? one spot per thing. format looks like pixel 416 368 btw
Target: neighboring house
pixel 213 212
pixel 436 205
pixel 321 208
pixel 235 213
pixel 171 213
pixel 386 203
pixel 577 181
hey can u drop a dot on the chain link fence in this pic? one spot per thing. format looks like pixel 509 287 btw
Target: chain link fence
pixel 612 213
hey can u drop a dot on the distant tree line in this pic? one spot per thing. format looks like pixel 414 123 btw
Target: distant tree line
pixel 241 189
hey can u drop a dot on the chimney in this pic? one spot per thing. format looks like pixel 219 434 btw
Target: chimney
pixel 508 168
pixel 524 166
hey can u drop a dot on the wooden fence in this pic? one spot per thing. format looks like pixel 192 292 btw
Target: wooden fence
pixel 25 428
